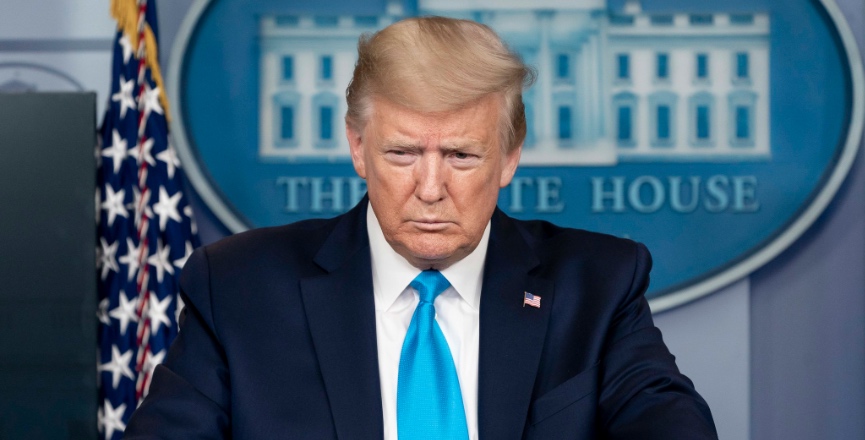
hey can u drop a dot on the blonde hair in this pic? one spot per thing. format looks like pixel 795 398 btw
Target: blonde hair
pixel 438 64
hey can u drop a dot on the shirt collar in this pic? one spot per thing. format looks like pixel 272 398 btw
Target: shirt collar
pixel 391 273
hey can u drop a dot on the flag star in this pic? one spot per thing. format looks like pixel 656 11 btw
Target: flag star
pixel 159 260
pixel 117 151
pixel 126 45
pixel 118 366
pixel 178 309
pixel 152 360
pixel 124 95
pixel 141 152
pixel 166 207
pixel 156 312
pixel 125 312
pixel 182 260
pixel 187 211
pixel 107 260
pixel 170 158
pixel 111 418
pixel 114 204
pixel 131 259
pixel 151 100
pixel 102 312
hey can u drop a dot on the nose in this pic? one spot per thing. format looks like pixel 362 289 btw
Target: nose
pixel 430 179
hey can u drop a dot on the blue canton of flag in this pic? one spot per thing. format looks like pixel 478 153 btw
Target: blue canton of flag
pixel 145 225
pixel 532 300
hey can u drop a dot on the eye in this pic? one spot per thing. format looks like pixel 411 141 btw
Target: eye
pixel 399 156
pixel 461 156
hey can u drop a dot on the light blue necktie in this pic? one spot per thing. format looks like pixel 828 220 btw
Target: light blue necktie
pixel 429 404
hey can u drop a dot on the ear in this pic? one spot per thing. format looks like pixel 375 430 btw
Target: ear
pixel 355 144
pixel 509 165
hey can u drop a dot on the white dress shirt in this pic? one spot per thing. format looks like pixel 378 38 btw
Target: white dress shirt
pixel 457 313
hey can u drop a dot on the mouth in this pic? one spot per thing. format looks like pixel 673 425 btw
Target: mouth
pixel 430 225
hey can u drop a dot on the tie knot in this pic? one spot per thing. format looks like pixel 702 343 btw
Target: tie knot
pixel 429 284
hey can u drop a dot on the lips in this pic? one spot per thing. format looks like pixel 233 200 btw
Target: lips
pixel 430 225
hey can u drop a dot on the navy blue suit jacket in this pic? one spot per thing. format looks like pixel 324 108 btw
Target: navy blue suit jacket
pixel 278 341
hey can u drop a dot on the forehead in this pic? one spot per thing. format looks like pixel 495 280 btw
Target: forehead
pixel 473 123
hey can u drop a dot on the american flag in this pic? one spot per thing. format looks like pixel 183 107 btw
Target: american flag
pixel 532 300
pixel 145 225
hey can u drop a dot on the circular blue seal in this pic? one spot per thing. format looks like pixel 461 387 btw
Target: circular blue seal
pixel 714 133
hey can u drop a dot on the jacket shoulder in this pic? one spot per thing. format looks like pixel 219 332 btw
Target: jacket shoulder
pixel 548 239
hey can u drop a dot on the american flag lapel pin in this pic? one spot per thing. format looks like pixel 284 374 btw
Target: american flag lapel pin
pixel 532 300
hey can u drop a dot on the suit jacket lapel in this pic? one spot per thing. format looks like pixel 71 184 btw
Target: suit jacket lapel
pixel 511 335
pixel 340 308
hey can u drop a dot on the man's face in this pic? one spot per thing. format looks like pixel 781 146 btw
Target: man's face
pixel 433 179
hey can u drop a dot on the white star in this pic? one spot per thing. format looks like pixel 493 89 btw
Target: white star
pixel 170 158
pixel 117 151
pixel 141 152
pixel 124 95
pixel 131 259
pixel 114 204
pixel 125 312
pixel 111 418
pixel 118 366
pixel 159 260
pixel 102 312
pixel 187 211
pixel 152 360
pixel 151 100
pixel 166 207
pixel 127 47
pixel 182 260
pixel 107 260
pixel 142 205
pixel 177 310
pixel 156 312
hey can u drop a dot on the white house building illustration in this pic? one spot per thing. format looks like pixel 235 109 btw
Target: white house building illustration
pixel 612 86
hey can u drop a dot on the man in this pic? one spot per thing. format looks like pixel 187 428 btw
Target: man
pixel 424 312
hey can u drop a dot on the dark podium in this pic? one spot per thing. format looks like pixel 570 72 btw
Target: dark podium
pixel 47 266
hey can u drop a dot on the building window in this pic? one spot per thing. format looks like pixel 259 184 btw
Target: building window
pixel 565 121
pixel 326 126
pixel 663 122
pixel 743 122
pixel 741 19
pixel 663 66
pixel 325 107
pixel 326 68
pixel 742 118
pixel 625 105
pixel 702 67
pixel 703 123
pixel 286 123
pixel 742 72
pixel 287 68
pixel 287 20
pixel 662 20
pixel 663 118
pixel 563 67
pixel 623 131
pixel 326 21
pixel 623 66
pixel 701 19
pixel 366 21
pixel 285 119
pixel 701 119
